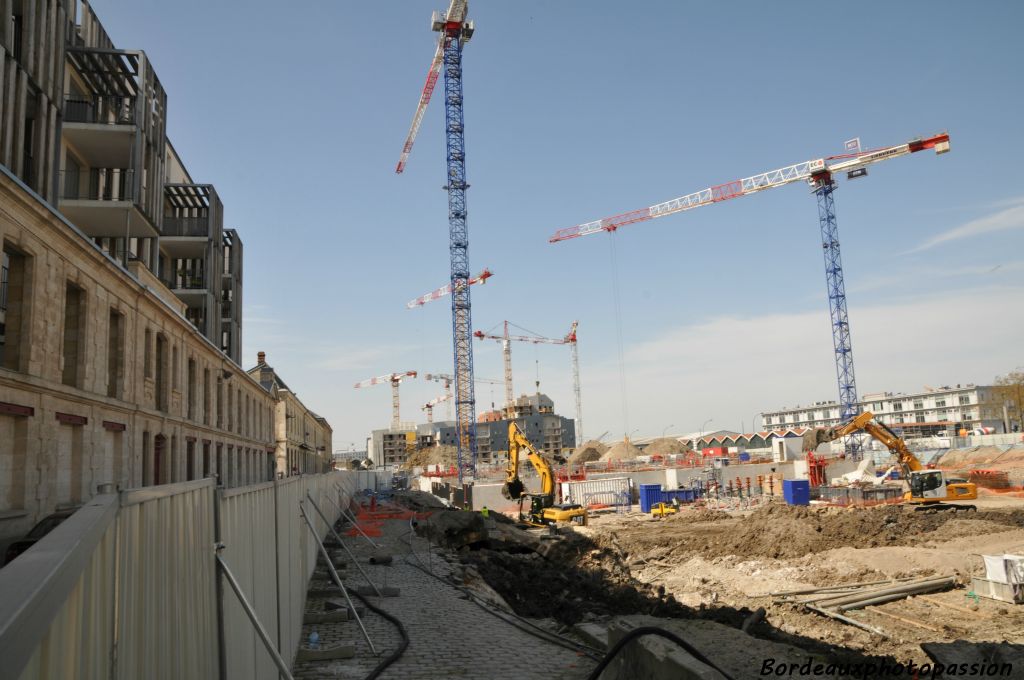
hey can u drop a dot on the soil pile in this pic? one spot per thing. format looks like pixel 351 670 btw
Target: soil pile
pixel 1006 458
pixel 783 531
pixel 436 455
pixel 623 450
pixel 664 446
pixel 588 452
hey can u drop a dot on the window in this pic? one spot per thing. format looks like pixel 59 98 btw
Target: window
pixel 918 404
pixel 73 351
pixel 919 419
pixel 206 396
pixel 897 406
pixel 190 390
pixel 939 403
pixel 175 380
pixel 13 308
pixel 115 354
pixel 964 399
pixel 162 361
pixel 147 353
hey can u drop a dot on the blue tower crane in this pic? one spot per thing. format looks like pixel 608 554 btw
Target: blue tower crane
pixel 455 33
pixel 819 174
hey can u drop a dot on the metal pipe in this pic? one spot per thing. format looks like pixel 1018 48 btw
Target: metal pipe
pixel 844 598
pixel 282 667
pixel 351 518
pixel 889 597
pixel 347 551
pixel 847 619
pixel 807 591
pixel 337 579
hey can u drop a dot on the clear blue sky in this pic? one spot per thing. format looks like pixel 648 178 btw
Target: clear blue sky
pixel 577 110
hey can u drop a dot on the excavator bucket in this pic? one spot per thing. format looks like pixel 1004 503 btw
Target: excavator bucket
pixel 513 490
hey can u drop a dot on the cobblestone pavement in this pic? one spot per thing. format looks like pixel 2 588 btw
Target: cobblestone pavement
pixel 450 636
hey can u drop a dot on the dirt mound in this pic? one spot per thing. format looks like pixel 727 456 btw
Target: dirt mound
pixel 436 455
pixel 623 450
pixel 664 446
pixel 588 452
pixel 783 531
pixel 983 456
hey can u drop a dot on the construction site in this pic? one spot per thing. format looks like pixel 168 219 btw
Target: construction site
pixel 833 542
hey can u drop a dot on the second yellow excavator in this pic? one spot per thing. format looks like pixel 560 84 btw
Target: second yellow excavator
pixel 928 488
pixel 543 511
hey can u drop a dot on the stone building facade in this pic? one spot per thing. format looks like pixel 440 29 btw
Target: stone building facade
pixel 302 438
pixel 103 379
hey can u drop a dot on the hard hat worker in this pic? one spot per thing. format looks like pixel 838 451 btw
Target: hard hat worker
pixel 484 512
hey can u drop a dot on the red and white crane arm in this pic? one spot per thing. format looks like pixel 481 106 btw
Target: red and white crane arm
pixel 456 12
pixel 807 170
pixel 389 378
pixel 446 290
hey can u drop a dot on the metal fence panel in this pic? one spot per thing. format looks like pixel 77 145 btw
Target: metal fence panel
pixel 613 491
pixel 247 531
pixel 167 604
pixel 77 640
pixel 126 588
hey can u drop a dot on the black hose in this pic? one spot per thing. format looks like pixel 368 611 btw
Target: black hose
pixel 395 655
pixel 537 632
pixel 651 630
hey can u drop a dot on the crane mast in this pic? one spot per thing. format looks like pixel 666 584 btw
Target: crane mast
pixel 569 339
pixel 455 32
pixel 819 174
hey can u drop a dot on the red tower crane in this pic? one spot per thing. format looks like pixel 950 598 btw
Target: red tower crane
pixel 395 379
pixel 568 339
pixel 447 290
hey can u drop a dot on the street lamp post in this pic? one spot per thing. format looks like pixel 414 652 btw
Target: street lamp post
pixel 703 425
pixel 664 430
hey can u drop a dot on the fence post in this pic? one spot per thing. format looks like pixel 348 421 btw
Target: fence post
pixel 277 559
pixel 222 661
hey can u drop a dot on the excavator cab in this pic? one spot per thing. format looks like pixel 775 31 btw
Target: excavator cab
pixel 928 484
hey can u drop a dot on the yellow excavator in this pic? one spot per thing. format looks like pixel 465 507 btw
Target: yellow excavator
pixel 929 489
pixel 543 511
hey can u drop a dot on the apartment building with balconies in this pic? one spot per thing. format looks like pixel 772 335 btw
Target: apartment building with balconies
pixel 83 124
pixel 946 409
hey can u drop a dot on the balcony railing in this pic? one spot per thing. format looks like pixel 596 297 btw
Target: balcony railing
pixel 103 109
pixel 186 226
pixel 97 184
pixel 186 282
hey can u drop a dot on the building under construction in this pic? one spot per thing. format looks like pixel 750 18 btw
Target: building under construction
pixel 535 414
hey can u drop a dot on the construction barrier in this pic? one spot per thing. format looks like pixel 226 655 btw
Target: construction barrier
pixel 128 587
pixel 615 491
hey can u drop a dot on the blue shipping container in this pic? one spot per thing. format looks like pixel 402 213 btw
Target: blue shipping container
pixel 649 495
pixel 796 491
pixel 682 495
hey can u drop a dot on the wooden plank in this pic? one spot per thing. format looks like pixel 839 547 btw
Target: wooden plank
pixel 958 608
pixel 905 620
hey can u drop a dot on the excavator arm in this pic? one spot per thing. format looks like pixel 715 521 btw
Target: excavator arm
pixel 866 421
pixel 517 444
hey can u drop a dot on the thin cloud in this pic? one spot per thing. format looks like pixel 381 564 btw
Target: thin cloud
pixel 1004 220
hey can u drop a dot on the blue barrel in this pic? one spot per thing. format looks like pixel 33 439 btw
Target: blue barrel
pixel 796 491
pixel 744 457
pixel 650 494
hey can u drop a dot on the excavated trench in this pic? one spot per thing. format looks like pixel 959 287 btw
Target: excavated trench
pixel 571 578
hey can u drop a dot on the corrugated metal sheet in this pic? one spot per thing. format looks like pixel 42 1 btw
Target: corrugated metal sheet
pixel 613 491
pixel 77 642
pixel 167 604
pixel 248 532
pixel 130 582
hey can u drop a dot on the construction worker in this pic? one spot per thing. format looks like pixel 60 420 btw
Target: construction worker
pixel 484 512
